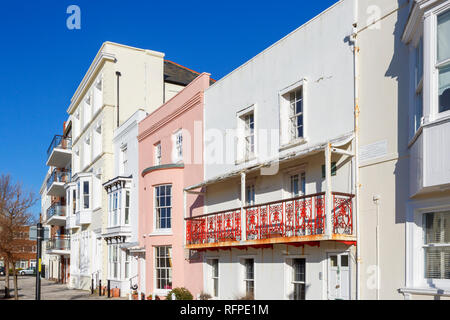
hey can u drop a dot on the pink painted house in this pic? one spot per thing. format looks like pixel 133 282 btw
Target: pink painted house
pixel 170 159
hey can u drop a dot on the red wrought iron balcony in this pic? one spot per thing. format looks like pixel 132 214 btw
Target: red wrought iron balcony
pixel 300 219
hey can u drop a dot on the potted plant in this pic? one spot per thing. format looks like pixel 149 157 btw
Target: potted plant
pixel 134 295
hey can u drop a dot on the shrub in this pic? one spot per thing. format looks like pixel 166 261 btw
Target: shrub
pixel 180 294
pixel 248 296
pixel 204 296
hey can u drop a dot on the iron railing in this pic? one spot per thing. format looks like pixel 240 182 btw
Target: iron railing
pixel 300 216
pixel 59 243
pixel 56 209
pixel 58 175
pixel 59 142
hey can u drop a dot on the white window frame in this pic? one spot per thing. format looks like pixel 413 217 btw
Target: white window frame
pixel 431 66
pixel 177 142
pixel 211 277
pixel 158 154
pixel 86 195
pixel 415 255
pixel 156 228
pixel 286 138
pixel 126 206
pixel 244 133
pixel 301 177
pixel 245 280
pixel 123 160
pixel 162 291
pixel 435 245
pixel 250 188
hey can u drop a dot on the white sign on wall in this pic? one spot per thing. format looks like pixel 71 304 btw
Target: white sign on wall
pixel 373 151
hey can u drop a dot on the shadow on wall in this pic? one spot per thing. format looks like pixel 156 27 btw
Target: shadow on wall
pixel 399 70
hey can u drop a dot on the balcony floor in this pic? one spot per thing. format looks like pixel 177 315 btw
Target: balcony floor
pixel 56 221
pixel 59 158
pixel 300 240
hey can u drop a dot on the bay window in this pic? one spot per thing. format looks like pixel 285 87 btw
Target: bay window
pixel 443 60
pixel 86 195
pixel 418 101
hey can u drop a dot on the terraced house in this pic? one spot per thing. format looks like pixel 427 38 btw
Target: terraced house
pixel 320 168
pixel 337 161
pixel 120 81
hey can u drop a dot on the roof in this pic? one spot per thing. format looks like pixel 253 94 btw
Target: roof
pixel 178 74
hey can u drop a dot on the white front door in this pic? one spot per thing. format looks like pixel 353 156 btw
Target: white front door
pixel 339 276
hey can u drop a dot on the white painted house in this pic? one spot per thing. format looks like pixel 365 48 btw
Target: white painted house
pixel 121 233
pixel 279 170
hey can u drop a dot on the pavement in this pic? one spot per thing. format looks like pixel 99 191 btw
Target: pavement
pixel 49 290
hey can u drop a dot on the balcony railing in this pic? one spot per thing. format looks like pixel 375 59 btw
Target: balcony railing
pixel 296 217
pixel 58 176
pixel 56 209
pixel 59 243
pixel 59 142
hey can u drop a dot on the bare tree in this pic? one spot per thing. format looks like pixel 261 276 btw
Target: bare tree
pixel 15 203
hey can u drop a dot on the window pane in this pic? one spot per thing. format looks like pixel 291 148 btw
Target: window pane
pixel 419 111
pixel 299 291
pixel 299 270
pixel 333 260
pixel 299 106
pixel 437 227
pixel 344 261
pixel 437 263
pixel 443 34
pixel 444 89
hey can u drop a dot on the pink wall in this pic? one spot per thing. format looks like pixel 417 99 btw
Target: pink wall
pixel 181 112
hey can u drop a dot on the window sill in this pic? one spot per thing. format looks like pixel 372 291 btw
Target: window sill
pixel 161 233
pixel 292 144
pixel 428 291
pixel 162 292
pixel 238 162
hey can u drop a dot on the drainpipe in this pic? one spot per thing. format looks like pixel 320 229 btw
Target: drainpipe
pixel 243 216
pixel 118 74
pixel 328 203
pixel 356 185
pixel 184 216
pixel 377 243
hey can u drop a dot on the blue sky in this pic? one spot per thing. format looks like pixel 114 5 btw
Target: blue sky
pixel 42 62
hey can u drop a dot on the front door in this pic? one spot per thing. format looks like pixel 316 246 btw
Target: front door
pixel 338 276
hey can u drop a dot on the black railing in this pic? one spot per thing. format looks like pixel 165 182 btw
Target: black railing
pixel 56 209
pixel 59 142
pixel 58 176
pixel 59 243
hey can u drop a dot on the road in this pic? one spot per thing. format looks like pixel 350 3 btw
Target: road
pixel 49 290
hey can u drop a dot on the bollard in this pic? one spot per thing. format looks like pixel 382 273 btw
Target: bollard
pixel 109 288
pixel 100 288
pixel 92 286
